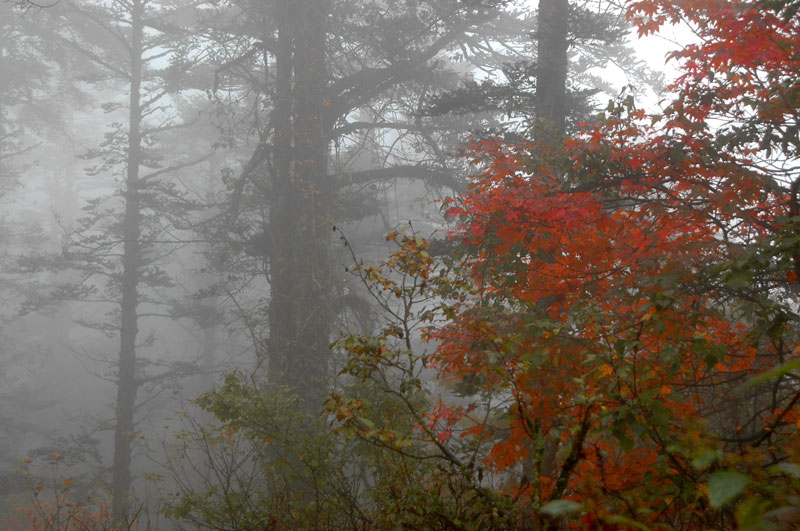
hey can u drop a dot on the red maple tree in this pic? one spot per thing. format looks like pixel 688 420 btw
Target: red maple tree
pixel 623 294
pixel 628 304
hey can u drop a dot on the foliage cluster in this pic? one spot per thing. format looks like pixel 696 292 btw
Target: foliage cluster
pixel 622 319
pixel 60 501
pixel 613 342
pixel 616 335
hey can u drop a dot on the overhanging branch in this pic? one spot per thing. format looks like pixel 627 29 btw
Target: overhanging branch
pixel 438 176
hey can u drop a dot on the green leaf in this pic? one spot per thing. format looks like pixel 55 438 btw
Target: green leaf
pixel 712 354
pixel 638 429
pixel 724 486
pixel 738 278
pixel 790 469
pixel 704 458
pixel 561 507
pixel 771 374
pixel 625 442
pixel 752 515
pixel 624 522
pixel 619 347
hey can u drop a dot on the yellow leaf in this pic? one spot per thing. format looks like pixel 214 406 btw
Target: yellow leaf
pixel 606 369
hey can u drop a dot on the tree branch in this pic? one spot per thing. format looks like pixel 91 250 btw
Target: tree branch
pixel 438 176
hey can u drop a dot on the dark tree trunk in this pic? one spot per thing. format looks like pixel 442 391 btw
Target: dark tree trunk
pixel 551 110
pixel 131 264
pixel 551 73
pixel 299 313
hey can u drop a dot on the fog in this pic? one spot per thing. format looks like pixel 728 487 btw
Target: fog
pixel 185 189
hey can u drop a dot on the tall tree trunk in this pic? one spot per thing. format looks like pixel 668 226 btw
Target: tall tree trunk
pixel 551 73
pixel 300 315
pixel 551 111
pixel 282 203
pixel 131 264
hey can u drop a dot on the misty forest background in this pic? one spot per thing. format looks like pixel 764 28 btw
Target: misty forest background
pixel 194 334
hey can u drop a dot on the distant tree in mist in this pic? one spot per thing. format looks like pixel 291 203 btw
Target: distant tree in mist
pixel 389 96
pixel 347 97
pixel 114 255
pixel 328 105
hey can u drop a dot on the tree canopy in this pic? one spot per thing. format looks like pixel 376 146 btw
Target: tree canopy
pixel 621 321
pixel 603 334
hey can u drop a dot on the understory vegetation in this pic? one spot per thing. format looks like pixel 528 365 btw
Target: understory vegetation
pixel 591 322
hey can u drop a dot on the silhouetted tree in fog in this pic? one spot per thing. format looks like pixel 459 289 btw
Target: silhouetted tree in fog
pixel 117 249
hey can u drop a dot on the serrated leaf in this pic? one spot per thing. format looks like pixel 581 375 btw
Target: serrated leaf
pixel 724 486
pixel 738 278
pixel 561 507
pixel 704 458
pixel 790 469
pixel 771 374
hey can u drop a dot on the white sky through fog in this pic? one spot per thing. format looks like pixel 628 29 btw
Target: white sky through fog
pixel 654 49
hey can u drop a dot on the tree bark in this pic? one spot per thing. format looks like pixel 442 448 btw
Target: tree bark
pixel 551 110
pixel 551 73
pixel 131 265
pixel 300 283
